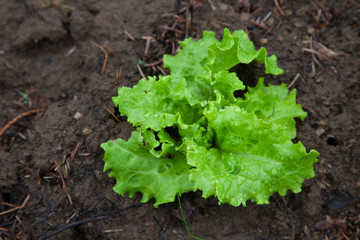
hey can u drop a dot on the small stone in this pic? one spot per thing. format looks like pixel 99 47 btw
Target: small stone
pixel 263 40
pixel 320 79
pixel 310 30
pixel 322 123
pixel 333 69
pixel 77 115
pixel 322 185
pixel 319 131
pixel 86 131
pixel 299 24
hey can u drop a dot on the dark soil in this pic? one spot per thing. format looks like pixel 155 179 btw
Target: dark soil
pixel 49 50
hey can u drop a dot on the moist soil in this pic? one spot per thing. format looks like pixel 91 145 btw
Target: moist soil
pixel 51 161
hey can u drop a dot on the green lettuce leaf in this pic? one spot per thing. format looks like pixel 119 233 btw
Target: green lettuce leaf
pixel 198 62
pixel 250 160
pixel 137 170
pixel 155 104
pixel 275 104
pixel 196 56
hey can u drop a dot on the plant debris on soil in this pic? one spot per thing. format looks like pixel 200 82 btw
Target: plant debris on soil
pixel 62 61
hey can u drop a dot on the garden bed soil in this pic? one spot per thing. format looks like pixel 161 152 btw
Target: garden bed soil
pixel 51 160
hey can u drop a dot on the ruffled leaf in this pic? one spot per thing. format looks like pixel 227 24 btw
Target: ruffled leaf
pixel 274 104
pixel 155 104
pixel 137 170
pixel 199 61
pixel 251 159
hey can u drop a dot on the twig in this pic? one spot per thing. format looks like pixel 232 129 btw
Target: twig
pixel 247 32
pixel 73 153
pixel 267 16
pixel 344 235
pixel 260 25
pixel 322 6
pixel 188 20
pixel 140 71
pixel 173 30
pixel 146 37
pixel 8 64
pixel 286 208
pixel 279 8
pixel 154 63
pixel 268 31
pixel 129 35
pixel 170 15
pixel 105 60
pixel 221 23
pixel 147 46
pixel 141 222
pixel 105 52
pixel 113 230
pixel 18 207
pixel 18 219
pixel 173 48
pixel 8 204
pixel 118 74
pixel 212 5
pixel 312 54
pixel 64 184
pixel 112 114
pixel 308 109
pixel 161 70
pixel 14 120
pixel 313 51
pixel 70 51
pixel 294 80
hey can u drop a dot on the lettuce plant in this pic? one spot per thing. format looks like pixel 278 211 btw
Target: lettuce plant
pixel 192 133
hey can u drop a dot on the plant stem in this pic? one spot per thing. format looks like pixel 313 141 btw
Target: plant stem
pixel 183 216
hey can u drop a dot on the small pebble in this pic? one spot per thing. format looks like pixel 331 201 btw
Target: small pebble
pixel 263 40
pixel 320 79
pixel 86 131
pixel 299 24
pixel 319 131
pixel 310 30
pixel 77 115
pixel 322 123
